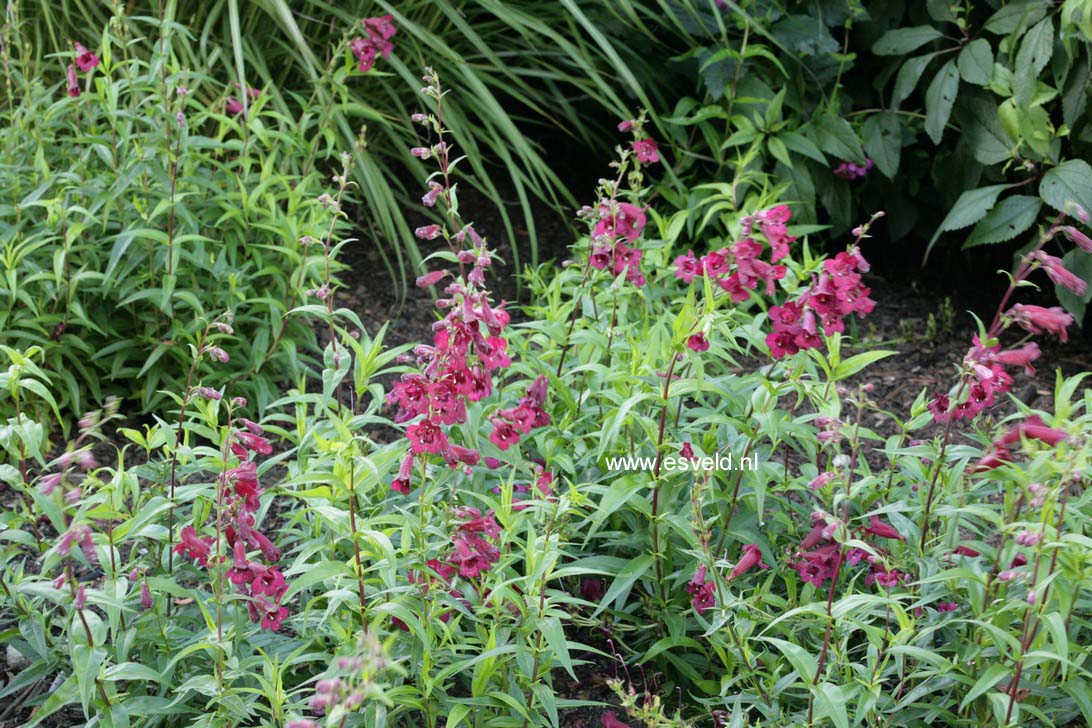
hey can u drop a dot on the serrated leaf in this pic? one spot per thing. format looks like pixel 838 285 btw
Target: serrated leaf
pixel 835 136
pixel 939 99
pixel 883 142
pixel 975 62
pixel 1067 184
pixel 1012 15
pixel 971 207
pixel 1035 52
pixel 901 41
pixel 1014 216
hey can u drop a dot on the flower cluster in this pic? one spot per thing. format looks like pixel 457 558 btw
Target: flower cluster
pixel 819 556
pixel 377 42
pixel 618 225
pixel 471 553
pixel 984 374
pixel 359 681
pixel 702 592
pixel 85 61
pixel 738 268
pixel 1033 428
pixel 833 295
pixel 262 583
pixel 509 424
pixel 644 147
pixel 467 347
pixel 851 171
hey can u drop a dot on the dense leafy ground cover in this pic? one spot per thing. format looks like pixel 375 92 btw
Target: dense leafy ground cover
pixel 230 499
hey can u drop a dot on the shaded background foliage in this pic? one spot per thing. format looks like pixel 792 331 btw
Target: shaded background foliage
pixel 974 115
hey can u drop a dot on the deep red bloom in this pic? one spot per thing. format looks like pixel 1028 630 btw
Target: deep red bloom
pixel 254 443
pixel 702 592
pixel 504 435
pixel 698 342
pixel 193 547
pixel 426 436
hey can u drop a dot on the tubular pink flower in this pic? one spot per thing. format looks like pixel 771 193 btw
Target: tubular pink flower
pixel 1037 319
pixel 752 557
pixel 1059 274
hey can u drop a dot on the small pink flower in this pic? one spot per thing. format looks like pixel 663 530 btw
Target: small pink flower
pixel 1022 357
pixel 81 598
pixel 752 557
pixel 73 82
pixel 1082 240
pixel 698 342
pixel 428 232
pixel 647 151
pixel 430 279
pixel 625 125
pixel 947 607
pixel 85 59
pixel 234 106
pixel 687 267
pixel 145 596
pixel 504 435
pixel 1059 274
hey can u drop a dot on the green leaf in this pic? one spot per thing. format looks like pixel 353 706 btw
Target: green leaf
pixel 459 711
pixel 803 146
pixel 907 79
pixel 994 674
pixel 627 577
pixel 856 363
pixel 831 702
pixel 939 99
pixel 901 41
pixel 883 142
pixel 1012 217
pixel 1035 52
pixel 835 136
pixel 1016 14
pixel 975 62
pixel 805 663
pixel 983 132
pixel 1067 184
pixel 971 207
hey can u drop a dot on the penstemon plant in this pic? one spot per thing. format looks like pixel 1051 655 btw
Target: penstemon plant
pixel 672 460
